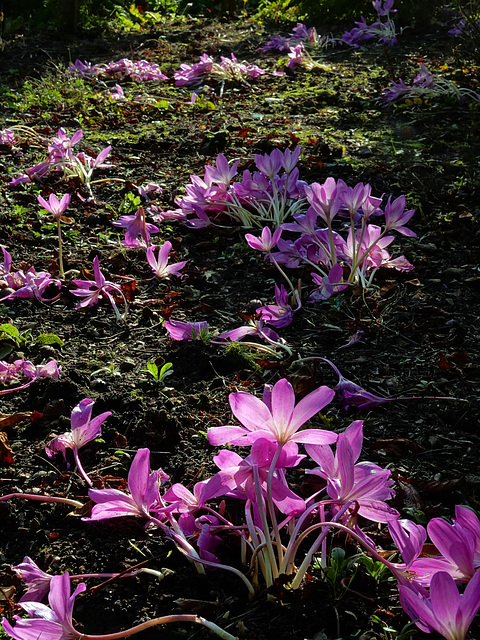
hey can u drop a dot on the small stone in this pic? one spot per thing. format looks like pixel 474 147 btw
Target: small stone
pixel 128 364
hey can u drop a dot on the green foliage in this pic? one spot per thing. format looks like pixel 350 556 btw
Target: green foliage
pixel 279 11
pixel 11 338
pixel 159 374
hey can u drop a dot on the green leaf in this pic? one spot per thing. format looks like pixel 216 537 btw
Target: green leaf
pixel 153 369
pixel 10 330
pixel 164 371
pixel 49 338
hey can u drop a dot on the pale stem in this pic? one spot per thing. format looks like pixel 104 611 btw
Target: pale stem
pixel 263 517
pixel 271 506
pixel 40 498
pixel 80 468
pixel 183 617
pixel 60 250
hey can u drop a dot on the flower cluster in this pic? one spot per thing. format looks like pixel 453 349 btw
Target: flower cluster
pixel 61 158
pixel 383 32
pixel 275 525
pixel 426 86
pixel 228 69
pixel 21 374
pixel 300 34
pixel 20 284
pixel 269 195
pixel 139 71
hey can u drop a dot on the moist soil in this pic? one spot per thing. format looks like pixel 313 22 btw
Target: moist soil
pixel 420 328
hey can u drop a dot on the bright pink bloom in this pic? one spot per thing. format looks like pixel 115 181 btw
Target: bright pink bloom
pixel 365 483
pixel 53 622
pixel 54 205
pixel 445 611
pixel 188 331
pixel 144 499
pixel 160 265
pixel 275 418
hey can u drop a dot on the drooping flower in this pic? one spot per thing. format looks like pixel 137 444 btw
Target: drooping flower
pixel 279 314
pixel 84 429
pixel 144 499
pixel 188 331
pixel 37 581
pixel 53 622
pixel 93 290
pixel 160 265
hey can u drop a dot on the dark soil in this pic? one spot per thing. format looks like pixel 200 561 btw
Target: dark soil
pixel 421 329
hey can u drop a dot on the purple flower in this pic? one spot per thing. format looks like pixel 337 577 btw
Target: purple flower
pixel 266 242
pixel 144 499
pixel 84 429
pixel 324 199
pixel 328 285
pixel 444 610
pixel 160 265
pixel 237 474
pixel 223 173
pixel 280 314
pixel 31 284
pixel 60 148
pixel 53 622
pixel 254 328
pixel 136 226
pixel 23 369
pixel 37 581
pixel 6 265
pixel 188 331
pixel 93 290
pixel 365 483
pixel 459 544
pixel 396 217
pixel 55 206
pixel 275 418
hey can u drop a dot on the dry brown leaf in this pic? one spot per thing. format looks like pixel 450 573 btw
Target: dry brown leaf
pixel 10 420
pixel 5 450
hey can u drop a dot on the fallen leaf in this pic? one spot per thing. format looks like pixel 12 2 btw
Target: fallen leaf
pixel 7 420
pixel 396 446
pixel 5 450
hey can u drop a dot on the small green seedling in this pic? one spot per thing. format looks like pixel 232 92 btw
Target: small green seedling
pixel 159 374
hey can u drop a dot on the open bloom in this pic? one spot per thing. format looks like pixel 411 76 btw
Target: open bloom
pixel 459 544
pixel 275 417
pixel 37 581
pixel 280 314
pixel 93 290
pixel 160 265
pixel 365 483
pixel 53 622
pixel 84 429
pixel 54 205
pixel 445 611
pixel 144 498
pixel 136 226
pixel 267 240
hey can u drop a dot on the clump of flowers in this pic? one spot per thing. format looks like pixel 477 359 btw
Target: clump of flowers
pixel 29 284
pixel 425 87
pixel 7 137
pixel 299 35
pixel 21 374
pixel 139 71
pixel 61 158
pixel 227 70
pixel 270 195
pixel 275 198
pixel 279 532
pixel 382 31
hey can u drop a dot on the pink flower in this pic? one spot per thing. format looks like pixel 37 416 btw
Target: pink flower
pixel 160 265
pixel 275 418
pixel 444 610
pixel 53 622
pixel 54 205
pixel 266 242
